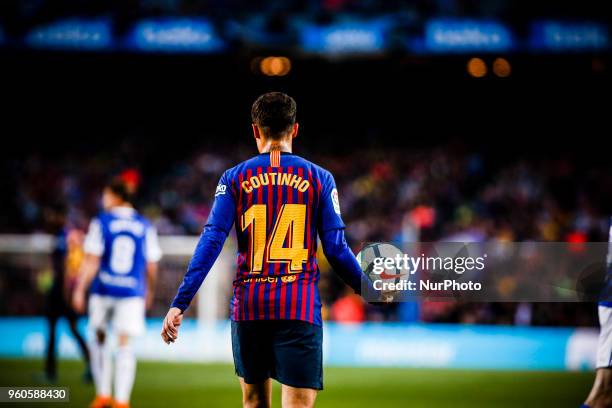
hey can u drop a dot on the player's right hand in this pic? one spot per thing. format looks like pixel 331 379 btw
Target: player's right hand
pixel 172 321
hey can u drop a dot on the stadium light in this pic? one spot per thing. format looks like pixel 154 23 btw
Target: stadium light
pixel 502 68
pixel 275 66
pixel 477 68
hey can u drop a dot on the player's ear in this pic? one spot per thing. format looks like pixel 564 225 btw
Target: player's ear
pixel 256 133
pixel 294 132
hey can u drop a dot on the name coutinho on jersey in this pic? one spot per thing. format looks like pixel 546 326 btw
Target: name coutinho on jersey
pixel 275 179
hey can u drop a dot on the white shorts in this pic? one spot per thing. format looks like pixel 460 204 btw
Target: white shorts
pixel 123 315
pixel 604 346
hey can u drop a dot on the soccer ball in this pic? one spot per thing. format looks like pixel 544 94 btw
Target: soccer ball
pixel 371 257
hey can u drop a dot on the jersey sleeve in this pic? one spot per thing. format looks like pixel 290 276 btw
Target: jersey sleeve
pixel 329 209
pixel 218 225
pixel 224 207
pixel 153 252
pixel 94 241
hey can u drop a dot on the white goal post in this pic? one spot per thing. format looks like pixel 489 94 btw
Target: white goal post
pixel 213 297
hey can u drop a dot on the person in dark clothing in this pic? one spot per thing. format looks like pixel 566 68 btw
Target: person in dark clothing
pixel 56 303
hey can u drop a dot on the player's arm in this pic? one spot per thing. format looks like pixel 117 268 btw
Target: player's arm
pixel 93 248
pixel 336 250
pixel 343 261
pixel 153 255
pixel 210 244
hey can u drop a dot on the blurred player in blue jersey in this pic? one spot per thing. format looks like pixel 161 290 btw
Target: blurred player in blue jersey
pixel 601 393
pixel 279 203
pixel 119 270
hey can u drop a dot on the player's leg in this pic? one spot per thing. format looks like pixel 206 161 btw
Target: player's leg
pixel 256 395
pixel 293 397
pixel 601 393
pixel 298 356
pixel 51 360
pixel 100 352
pixel 128 322
pixel 125 370
pixel 72 318
pixel 252 351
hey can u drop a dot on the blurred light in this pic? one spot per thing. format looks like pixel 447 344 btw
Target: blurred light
pixel 356 37
pixel 576 240
pixel 502 68
pixel 275 66
pixel 569 36
pixel 72 34
pixel 477 68
pixel 423 216
pixel 466 35
pixel 131 177
pixel 175 35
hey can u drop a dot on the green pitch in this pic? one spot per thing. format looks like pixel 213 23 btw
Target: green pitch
pixel 172 385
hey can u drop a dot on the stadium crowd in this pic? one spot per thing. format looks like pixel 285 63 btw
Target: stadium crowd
pixel 443 193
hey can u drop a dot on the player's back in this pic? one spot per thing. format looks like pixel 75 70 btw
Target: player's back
pixel 120 237
pixel 281 202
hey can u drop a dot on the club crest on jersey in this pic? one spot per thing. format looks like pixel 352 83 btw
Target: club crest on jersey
pixel 221 189
pixel 335 201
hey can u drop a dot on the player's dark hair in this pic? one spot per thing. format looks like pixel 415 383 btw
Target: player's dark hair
pixel 274 113
pixel 120 189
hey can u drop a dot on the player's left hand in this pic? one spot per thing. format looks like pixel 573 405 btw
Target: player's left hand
pixel 385 298
pixel 172 321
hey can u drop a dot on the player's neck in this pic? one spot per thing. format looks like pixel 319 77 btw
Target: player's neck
pixel 276 145
pixel 122 206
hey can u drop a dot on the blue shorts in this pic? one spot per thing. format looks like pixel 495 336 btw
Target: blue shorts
pixel 290 351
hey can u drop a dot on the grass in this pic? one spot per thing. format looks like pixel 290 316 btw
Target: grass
pixel 208 385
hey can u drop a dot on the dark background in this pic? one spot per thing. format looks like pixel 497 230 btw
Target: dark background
pixel 516 153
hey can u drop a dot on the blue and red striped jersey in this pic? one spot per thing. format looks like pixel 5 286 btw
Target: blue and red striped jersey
pixel 278 203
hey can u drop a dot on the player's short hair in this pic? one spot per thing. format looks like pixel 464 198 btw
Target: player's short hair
pixel 274 113
pixel 120 189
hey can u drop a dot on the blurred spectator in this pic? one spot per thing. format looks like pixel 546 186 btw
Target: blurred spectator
pixel 446 192
pixel 349 308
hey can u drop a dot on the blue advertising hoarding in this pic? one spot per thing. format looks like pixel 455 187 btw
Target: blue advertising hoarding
pixel 175 35
pixel 346 37
pixel 75 34
pixel 466 35
pixel 559 36
pixel 368 344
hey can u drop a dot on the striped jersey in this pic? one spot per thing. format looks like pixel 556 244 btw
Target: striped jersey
pixel 278 203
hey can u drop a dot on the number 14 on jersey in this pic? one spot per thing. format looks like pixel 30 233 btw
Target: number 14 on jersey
pixel 290 225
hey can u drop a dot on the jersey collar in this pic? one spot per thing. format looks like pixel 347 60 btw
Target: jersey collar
pixel 123 211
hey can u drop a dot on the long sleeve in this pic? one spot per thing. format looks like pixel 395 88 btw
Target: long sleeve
pixel 216 230
pixel 337 251
pixel 345 264
pixel 208 249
